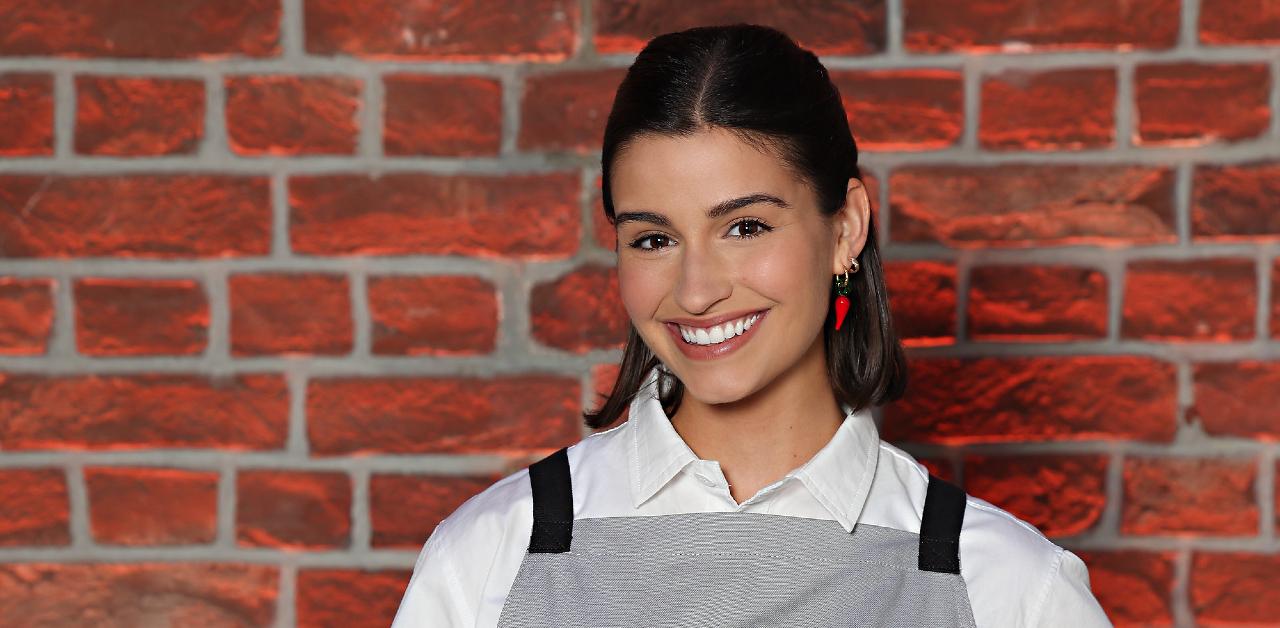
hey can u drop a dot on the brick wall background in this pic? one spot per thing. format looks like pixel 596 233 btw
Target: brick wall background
pixel 282 282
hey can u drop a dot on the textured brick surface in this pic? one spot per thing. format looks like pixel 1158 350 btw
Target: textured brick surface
pixel 138 594
pixel 903 109
pixel 404 509
pixel 1235 588
pixel 567 110
pixel 132 317
pixel 289 115
pixel 1014 25
pixel 1026 205
pixel 349 597
pixel 1204 300
pixel 849 27
pixel 455 315
pixel 455 415
pixel 442 115
pixel 1026 399
pixel 1189 496
pixel 1238 398
pixel 26 315
pixel 293 509
pixel 290 313
pixel 118 115
pixel 1041 303
pixel 1051 110
pixel 98 216
pixel 579 311
pixel 140 28
pixel 1134 587
pixel 34 509
pixel 26 106
pixel 407 213
pixel 1236 202
pixel 147 506
pixel 923 295
pixel 1181 103
pixel 142 411
pixel 1060 495
pixel 1239 21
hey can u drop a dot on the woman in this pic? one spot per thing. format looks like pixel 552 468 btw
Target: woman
pixel 748 486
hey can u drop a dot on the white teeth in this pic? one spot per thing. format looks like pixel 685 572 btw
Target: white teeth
pixel 718 333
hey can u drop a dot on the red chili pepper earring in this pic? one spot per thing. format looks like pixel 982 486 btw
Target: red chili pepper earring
pixel 842 293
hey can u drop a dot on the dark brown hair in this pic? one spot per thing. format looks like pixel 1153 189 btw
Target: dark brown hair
pixel 757 83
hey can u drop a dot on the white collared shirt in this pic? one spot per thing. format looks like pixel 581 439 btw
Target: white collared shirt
pixel 1014 575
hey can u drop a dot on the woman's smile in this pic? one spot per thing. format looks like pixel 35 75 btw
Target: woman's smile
pixel 704 342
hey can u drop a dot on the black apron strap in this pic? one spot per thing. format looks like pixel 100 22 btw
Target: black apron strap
pixel 940 523
pixel 552 503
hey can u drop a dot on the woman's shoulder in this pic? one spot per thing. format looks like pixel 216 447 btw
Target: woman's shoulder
pixel 1013 571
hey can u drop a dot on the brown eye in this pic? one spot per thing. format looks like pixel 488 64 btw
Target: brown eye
pixel 652 238
pixel 750 228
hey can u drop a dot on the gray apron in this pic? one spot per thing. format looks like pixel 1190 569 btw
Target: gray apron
pixel 735 568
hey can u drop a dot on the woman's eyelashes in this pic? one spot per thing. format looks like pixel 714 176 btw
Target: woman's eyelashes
pixel 759 229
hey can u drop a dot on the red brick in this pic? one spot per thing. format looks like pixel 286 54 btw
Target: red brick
pixel 33 509
pixel 142 411
pixel 531 216
pixel 131 116
pixel 26 315
pixel 293 509
pixel 510 414
pixel 1134 587
pixel 1235 589
pixel 1035 302
pixel 922 299
pixel 941 467
pixel 603 378
pixel 1238 398
pixel 1061 495
pixel 292 115
pixel 140 28
pixel 963 400
pixel 1196 103
pixel 302 313
pixel 1234 202
pixel 1239 21
pixel 26 106
pixel 567 110
pixel 456 116
pixel 405 509
pixel 1032 205
pixel 1202 300
pixel 1189 496
pixel 1019 25
pixel 141 506
pixel 490 30
pixel 1048 110
pixel 606 236
pixel 1275 298
pixel 826 28
pixel 903 109
pixel 140 316
pixel 203 215
pixel 579 311
pixel 349 598
pixel 451 315
pixel 138 594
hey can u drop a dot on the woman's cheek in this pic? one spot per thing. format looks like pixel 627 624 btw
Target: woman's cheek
pixel 639 291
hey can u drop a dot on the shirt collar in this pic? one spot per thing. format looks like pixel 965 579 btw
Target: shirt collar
pixel 839 476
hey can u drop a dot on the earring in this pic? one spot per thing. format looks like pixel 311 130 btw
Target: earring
pixel 842 293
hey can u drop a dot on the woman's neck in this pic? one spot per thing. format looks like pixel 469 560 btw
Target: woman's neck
pixel 761 438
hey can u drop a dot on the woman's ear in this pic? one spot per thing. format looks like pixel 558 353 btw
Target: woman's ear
pixel 851 224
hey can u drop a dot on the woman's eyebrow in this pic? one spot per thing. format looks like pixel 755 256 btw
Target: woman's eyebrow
pixel 716 211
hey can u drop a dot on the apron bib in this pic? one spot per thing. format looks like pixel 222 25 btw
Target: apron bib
pixel 734 569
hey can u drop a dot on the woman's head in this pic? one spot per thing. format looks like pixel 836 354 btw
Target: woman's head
pixel 741 119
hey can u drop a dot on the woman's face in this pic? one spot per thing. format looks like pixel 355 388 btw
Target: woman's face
pixel 711 228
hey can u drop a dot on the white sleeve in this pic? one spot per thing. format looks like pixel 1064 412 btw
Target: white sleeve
pixel 1069 601
pixel 434 596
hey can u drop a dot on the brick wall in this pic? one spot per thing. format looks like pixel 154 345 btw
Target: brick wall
pixel 282 282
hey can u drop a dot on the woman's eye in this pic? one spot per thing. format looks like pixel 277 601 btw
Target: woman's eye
pixel 639 243
pixel 749 231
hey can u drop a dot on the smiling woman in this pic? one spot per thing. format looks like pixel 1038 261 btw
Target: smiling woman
pixel 749 486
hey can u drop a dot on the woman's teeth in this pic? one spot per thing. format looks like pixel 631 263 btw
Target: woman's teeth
pixel 719 333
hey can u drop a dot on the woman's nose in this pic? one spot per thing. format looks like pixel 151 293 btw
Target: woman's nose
pixel 705 279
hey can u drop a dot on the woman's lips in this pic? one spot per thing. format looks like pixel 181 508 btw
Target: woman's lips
pixel 707 352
